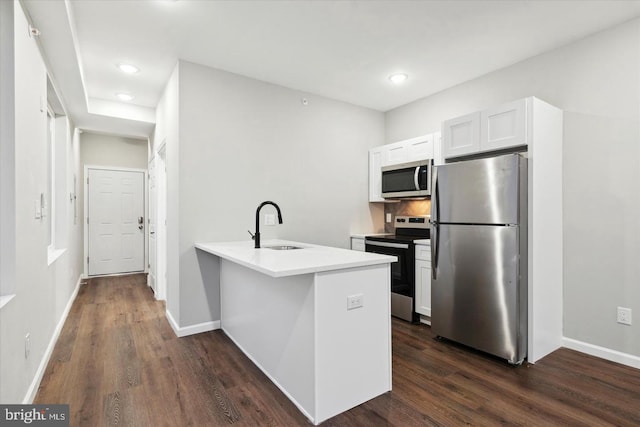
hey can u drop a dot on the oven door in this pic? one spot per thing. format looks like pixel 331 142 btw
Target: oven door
pixel 402 276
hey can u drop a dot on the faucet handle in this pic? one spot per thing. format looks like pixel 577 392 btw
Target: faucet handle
pixel 253 237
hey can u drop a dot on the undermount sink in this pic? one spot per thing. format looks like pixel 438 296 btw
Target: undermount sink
pixel 282 247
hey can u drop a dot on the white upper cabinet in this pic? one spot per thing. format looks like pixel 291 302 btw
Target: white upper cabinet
pixel 496 128
pixel 419 148
pixel 395 153
pixel 438 158
pixel 461 136
pixel 375 177
pixel 503 126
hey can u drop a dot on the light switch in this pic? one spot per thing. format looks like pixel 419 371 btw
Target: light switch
pixel 37 209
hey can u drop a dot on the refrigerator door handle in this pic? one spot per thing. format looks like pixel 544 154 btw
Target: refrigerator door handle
pixel 415 178
pixel 435 246
pixel 435 217
pixel 435 208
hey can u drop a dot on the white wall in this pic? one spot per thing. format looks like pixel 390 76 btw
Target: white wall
pixel 112 150
pixel 42 291
pixel 596 81
pixel 7 150
pixel 242 141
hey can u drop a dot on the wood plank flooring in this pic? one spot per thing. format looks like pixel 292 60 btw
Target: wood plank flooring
pixel 117 362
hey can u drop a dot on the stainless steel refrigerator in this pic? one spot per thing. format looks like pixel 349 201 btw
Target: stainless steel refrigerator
pixel 479 254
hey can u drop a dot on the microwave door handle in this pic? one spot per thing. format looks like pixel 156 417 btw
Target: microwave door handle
pixel 415 178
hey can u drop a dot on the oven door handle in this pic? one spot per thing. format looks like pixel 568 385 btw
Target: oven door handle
pixel 387 244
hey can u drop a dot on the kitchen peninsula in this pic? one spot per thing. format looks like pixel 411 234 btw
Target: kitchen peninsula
pixel 316 320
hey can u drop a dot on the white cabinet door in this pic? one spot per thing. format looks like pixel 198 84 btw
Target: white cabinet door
pixel 395 153
pixel 419 148
pixel 503 126
pixel 438 158
pixel 357 244
pixel 461 136
pixel 423 287
pixel 375 177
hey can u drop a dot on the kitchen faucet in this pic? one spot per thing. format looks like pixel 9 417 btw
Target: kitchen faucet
pixel 256 236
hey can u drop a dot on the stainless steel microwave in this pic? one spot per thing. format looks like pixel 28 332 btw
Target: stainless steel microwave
pixel 407 180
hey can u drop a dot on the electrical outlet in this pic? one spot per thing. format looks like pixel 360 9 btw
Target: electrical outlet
pixel 27 346
pixel 270 219
pixel 355 301
pixel 624 315
pixel 388 217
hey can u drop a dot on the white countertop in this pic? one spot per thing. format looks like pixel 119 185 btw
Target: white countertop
pixel 363 235
pixel 278 263
pixel 422 242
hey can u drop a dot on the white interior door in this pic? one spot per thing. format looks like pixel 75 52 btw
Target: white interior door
pixel 115 221
pixel 151 278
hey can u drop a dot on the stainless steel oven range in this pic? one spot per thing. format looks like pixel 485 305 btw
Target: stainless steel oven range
pixel 401 244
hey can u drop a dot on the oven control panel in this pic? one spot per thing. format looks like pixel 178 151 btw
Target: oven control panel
pixel 412 221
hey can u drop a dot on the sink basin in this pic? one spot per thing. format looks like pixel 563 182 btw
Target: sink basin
pixel 282 247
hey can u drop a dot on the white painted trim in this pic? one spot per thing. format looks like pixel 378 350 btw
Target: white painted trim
pixel 602 352
pixel 4 299
pixel 192 329
pixel 35 384
pixel 53 254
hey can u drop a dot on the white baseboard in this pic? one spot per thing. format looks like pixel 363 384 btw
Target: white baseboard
pixel 37 379
pixel 602 352
pixel 192 329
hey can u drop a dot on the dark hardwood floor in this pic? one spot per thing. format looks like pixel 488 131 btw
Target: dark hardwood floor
pixel 117 362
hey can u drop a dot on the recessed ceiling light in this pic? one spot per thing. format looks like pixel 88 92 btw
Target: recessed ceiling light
pixel 124 96
pixel 128 68
pixel 398 78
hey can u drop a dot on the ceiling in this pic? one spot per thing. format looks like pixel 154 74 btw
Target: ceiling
pixel 343 50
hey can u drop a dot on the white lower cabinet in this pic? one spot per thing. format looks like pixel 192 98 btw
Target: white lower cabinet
pixel 357 244
pixel 423 280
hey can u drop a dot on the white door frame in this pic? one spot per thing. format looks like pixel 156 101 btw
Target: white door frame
pixel 152 212
pixel 161 217
pixel 86 211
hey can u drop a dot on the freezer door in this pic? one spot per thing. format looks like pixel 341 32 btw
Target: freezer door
pixel 476 290
pixel 483 191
